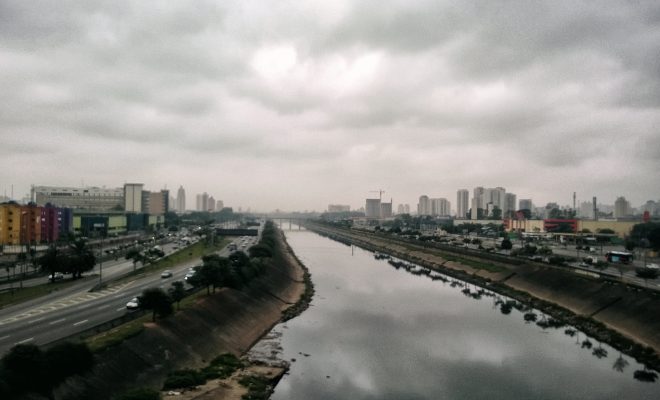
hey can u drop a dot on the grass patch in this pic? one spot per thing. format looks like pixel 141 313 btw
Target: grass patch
pixel 221 367
pixel 117 335
pixel 259 387
pixel 19 295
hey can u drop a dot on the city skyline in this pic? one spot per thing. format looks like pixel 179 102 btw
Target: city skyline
pixel 295 106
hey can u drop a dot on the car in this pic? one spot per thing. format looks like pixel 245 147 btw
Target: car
pixel 133 304
pixel 189 275
pixel 166 274
pixel 56 276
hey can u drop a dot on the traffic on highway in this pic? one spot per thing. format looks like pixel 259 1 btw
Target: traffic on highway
pixel 66 312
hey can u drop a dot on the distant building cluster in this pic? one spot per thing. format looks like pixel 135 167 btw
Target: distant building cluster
pixel 53 212
pixel 496 205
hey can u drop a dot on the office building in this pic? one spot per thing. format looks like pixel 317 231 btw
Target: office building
pixel 133 197
pixel 219 205
pixel 83 198
pixel 211 204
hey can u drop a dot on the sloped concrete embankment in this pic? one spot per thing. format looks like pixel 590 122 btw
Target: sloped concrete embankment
pixel 228 321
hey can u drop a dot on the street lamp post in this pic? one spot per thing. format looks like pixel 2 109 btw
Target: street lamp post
pixel 101 233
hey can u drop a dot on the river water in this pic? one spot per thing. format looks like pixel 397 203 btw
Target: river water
pixel 376 332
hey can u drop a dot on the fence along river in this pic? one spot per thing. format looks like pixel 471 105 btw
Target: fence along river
pixel 382 331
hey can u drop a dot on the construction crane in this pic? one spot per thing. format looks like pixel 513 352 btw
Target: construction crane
pixel 380 193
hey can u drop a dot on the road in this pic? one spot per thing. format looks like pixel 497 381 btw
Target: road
pixel 75 309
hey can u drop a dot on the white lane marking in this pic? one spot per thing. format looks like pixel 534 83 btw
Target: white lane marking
pixel 36 320
pixel 121 309
pixel 5 337
pixel 25 340
pixel 80 322
pixel 103 306
pixel 57 322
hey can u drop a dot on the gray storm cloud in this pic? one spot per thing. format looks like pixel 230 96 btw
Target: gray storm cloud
pixel 294 106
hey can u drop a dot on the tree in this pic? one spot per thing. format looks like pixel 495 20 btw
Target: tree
pixel 67 359
pixel 506 244
pixel 177 292
pixel 52 261
pixel 25 370
pixel 630 245
pixel 497 213
pixel 260 250
pixel 135 255
pixel 156 300
pixel 81 260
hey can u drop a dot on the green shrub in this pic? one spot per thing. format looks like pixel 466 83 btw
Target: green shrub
pixel 139 394
pixel 184 378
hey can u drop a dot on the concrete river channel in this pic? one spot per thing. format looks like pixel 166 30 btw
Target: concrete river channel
pixel 374 331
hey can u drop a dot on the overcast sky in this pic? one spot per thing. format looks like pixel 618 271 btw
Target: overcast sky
pixel 299 104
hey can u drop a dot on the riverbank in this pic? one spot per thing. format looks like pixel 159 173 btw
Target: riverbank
pixel 229 321
pixel 622 316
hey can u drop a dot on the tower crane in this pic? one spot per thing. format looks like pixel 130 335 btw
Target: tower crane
pixel 380 193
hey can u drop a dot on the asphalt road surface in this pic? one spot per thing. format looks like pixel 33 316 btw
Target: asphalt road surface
pixel 75 309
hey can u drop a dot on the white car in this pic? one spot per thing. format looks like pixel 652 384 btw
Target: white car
pixel 166 274
pixel 134 304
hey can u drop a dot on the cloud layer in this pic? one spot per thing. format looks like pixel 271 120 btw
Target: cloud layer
pixel 295 106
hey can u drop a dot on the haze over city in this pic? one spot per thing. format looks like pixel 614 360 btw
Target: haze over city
pixel 298 105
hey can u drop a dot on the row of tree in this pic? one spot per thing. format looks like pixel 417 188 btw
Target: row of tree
pixel 77 260
pixel 234 272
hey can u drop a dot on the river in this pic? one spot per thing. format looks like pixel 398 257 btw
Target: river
pixel 376 332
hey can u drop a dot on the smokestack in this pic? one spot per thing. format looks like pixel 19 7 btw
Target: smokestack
pixel 574 202
pixel 595 209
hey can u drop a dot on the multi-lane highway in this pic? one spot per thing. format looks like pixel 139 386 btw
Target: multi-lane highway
pixel 75 309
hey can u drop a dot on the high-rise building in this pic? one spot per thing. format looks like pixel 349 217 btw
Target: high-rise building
pixel 400 209
pixel 155 203
pixel 424 205
pixel 203 202
pixel 478 196
pixel 462 203
pixel 525 204
pixel 509 209
pixel 372 208
pixel 621 207
pixel 440 207
pixel 133 197
pixel 211 204
pixel 219 205
pixel 181 200
pixel 386 210
pixel 406 208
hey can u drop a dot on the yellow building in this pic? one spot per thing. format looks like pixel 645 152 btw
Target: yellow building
pixel 20 224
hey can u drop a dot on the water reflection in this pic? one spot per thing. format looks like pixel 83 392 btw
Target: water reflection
pixel 375 332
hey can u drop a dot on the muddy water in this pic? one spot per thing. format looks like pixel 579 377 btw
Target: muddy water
pixel 377 332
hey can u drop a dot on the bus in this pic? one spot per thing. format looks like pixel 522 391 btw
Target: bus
pixel 619 257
